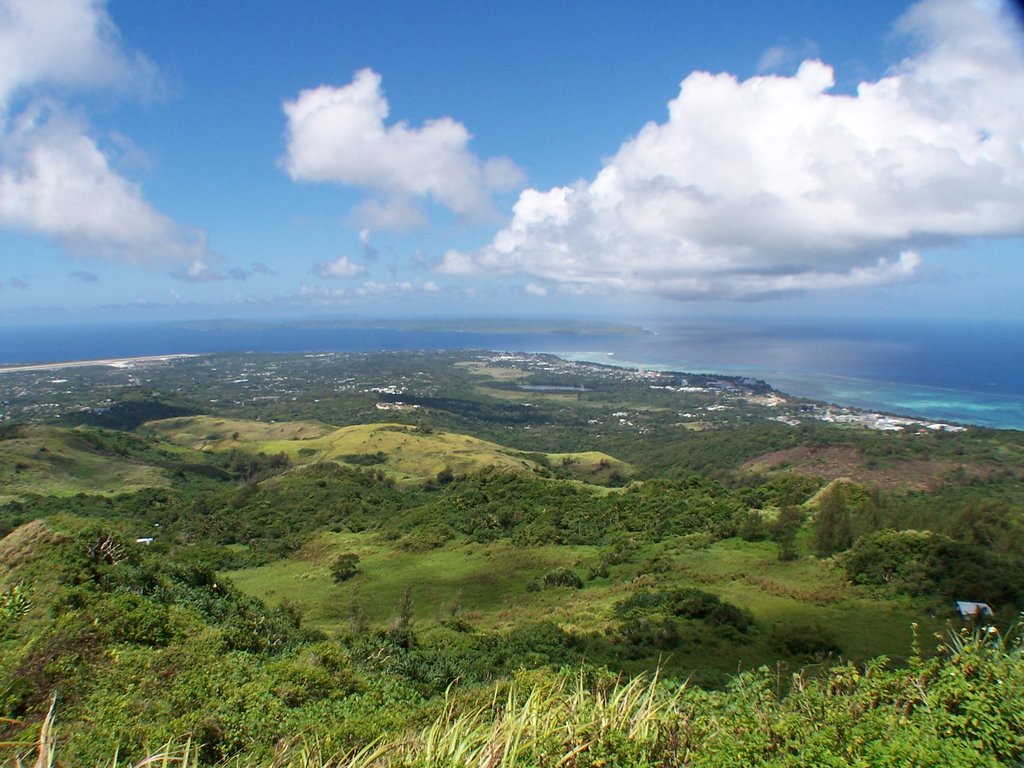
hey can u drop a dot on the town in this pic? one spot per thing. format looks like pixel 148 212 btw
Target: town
pixel 239 383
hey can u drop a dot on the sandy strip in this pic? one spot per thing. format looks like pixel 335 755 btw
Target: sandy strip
pixel 117 362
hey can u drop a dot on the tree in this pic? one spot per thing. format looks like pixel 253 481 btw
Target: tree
pixel 784 530
pixel 344 567
pixel 833 529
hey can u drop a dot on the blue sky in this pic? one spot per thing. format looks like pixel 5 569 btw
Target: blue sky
pixel 187 159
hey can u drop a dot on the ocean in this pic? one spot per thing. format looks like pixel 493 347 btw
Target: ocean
pixel 968 372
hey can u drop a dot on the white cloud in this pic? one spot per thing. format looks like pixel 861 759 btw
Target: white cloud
pixel 374 289
pixel 341 269
pixel 399 213
pixel 774 184
pixel 55 180
pixel 503 175
pixel 532 289
pixel 370 252
pixel 257 268
pixel 774 58
pixel 338 134
pixel 785 57
pixel 66 43
pixel 198 271
pixel 318 294
pixel 370 293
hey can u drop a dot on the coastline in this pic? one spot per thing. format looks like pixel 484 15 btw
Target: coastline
pixel 114 362
pixel 935 371
pixel 990 410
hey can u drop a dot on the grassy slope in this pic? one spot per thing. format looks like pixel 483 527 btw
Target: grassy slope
pixel 55 461
pixel 408 454
pixel 485 584
pixel 482 583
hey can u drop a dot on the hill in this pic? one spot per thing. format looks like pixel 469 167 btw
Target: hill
pixel 440 556
pixel 404 452
pixel 44 460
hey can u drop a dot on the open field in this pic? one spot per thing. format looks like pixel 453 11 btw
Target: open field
pixel 209 433
pixel 485 585
pixel 494 372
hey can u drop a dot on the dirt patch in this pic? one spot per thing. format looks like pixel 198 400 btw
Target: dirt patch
pixel 831 462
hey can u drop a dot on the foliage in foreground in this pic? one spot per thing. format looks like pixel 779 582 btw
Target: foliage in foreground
pixel 964 706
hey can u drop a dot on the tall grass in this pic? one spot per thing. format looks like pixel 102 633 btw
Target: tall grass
pixel 964 706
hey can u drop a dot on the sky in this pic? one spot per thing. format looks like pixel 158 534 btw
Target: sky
pixel 602 160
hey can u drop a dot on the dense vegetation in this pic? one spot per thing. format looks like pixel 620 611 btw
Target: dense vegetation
pixel 590 577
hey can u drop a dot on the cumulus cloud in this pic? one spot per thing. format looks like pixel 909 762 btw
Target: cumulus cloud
pixel 775 184
pixel 340 269
pixel 339 134
pixel 55 180
pixel 68 43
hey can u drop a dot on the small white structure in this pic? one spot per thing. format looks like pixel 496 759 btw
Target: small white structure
pixel 147 540
pixel 970 611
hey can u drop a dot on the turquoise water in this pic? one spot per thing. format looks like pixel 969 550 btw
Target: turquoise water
pixel 985 409
pixel 971 373
pixel 965 407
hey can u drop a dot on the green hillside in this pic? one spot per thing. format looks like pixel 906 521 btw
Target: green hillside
pixel 54 461
pixel 495 587
pixel 404 452
pixel 608 568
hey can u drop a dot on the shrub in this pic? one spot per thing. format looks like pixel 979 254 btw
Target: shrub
pixel 928 563
pixel 563 577
pixel 686 603
pixel 807 641
pixel 344 567
pixel 891 557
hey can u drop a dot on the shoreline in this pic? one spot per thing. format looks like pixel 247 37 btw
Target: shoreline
pixel 921 401
pixel 917 401
pixel 114 362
